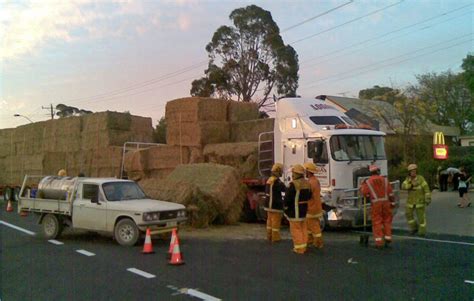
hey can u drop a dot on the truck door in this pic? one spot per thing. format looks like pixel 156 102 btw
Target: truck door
pixel 318 154
pixel 88 214
pixel 293 154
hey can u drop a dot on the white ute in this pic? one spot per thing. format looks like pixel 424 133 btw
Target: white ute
pixel 103 205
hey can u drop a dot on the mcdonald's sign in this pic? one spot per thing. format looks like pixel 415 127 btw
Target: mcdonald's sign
pixel 440 149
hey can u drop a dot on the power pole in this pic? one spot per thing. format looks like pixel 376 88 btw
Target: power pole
pixel 49 108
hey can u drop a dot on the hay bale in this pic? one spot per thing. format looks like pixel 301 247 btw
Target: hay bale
pixel 242 111
pixel 106 121
pixel 135 164
pixel 196 155
pixel 165 156
pixel 245 131
pixel 197 133
pixel 241 155
pixel 196 109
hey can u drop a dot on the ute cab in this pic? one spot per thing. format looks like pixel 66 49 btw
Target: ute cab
pixel 312 130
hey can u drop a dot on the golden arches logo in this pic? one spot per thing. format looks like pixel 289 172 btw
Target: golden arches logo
pixel 438 138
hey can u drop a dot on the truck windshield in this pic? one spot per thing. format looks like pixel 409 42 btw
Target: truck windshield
pixel 357 148
pixel 122 191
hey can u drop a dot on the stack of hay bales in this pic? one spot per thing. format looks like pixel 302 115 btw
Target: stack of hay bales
pixel 242 156
pixel 211 192
pixel 90 144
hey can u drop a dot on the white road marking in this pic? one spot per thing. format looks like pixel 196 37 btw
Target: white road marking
pixel 141 273
pixel 17 228
pixel 84 252
pixel 200 295
pixel 469 281
pixel 56 242
pixel 427 239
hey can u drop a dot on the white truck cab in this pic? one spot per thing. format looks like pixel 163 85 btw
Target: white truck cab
pixel 104 205
pixel 310 130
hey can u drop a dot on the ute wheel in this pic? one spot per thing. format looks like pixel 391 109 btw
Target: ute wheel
pixel 7 194
pixel 126 232
pixel 323 221
pixel 52 226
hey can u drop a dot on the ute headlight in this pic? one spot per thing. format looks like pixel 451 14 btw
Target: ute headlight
pixel 151 216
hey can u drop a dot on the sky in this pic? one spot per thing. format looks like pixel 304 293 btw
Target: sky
pixel 135 56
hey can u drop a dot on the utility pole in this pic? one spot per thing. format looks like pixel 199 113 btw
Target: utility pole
pixel 49 108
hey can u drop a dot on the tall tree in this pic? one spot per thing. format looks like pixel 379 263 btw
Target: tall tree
pixel 468 74
pixel 448 97
pixel 373 92
pixel 159 134
pixel 247 58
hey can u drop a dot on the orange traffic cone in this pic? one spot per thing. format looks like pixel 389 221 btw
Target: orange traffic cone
pixel 176 258
pixel 147 247
pixel 172 243
pixel 9 206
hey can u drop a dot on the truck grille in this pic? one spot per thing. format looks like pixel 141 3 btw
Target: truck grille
pixel 168 215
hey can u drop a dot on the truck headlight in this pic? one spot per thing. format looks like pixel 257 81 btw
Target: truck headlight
pixel 151 216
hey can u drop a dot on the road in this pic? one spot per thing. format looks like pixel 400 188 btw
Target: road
pixel 228 263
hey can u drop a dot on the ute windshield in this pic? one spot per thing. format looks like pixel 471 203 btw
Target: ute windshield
pixel 357 148
pixel 122 191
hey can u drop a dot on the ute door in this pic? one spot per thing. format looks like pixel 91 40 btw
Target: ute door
pixel 317 152
pixel 90 208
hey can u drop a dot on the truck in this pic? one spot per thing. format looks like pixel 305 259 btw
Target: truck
pixel 103 205
pixel 311 130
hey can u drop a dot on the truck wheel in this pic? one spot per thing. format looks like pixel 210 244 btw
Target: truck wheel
pixel 126 232
pixel 52 226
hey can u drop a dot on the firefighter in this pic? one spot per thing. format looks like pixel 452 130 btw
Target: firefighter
pixel 380 192
pixel 296 204
pixel 419 197
pixel 315 210
pixel 274 204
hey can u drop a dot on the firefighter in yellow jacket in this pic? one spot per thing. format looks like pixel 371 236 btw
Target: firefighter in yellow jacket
pixel 274 204
pixel 419 196
pixel 315 209
pixel 296 206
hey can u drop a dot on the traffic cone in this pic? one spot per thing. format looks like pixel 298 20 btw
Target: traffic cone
pixel 9 206
pixel 147 247
pixel 176 258
pixel 172 243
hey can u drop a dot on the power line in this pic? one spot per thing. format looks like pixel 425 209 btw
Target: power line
pixel 397 62
pixel 183 70
pixel 389 33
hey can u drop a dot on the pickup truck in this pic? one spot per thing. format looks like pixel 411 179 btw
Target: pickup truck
pixel 103 205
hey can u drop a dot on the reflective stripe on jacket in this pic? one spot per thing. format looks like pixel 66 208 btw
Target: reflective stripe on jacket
pixel 418 191
pixel 274 189
pixel 296 200
pixel 378 188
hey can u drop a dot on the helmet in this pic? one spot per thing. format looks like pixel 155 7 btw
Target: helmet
pixel 412 167
pixel 62 173
pixel 298 168
pixel 277 167
pixel 311 167
pixel 373 168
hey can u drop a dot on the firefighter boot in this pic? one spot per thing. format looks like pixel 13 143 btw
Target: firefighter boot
pixel 276 235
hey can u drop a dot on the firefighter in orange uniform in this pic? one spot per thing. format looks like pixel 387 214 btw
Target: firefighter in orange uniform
pixel 382 200
pixel 296 206
pixel 315 209
pixel 274 204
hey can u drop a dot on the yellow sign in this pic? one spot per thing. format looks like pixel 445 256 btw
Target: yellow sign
pixel 438 138
pixel 441 152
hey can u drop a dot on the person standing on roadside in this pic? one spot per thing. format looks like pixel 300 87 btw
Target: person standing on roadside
pixel 315 209
pixel 463 187
pixel 274 204
pixel 419 196
pixel 296 206
pixel 380 192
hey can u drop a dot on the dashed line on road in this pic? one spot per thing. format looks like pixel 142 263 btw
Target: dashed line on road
pixel 18 228
pixel 84 252
pixel 428 239
pixel 200 295
pixel 469 281
pixel 55 242
pixel 141 273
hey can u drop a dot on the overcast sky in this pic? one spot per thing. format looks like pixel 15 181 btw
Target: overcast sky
pixel 136 55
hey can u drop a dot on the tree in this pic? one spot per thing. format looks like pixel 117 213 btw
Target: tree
pixel 246 56
pixel 448 97
pixel 468 75
pixel 63 110
pixel 159 134
pixel 373 92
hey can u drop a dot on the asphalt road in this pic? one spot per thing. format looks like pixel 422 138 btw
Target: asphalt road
pixel 437 268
